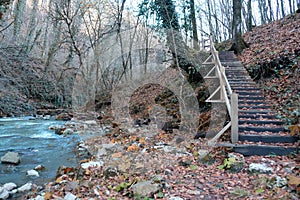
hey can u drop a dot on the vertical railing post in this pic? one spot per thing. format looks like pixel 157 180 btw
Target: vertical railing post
pixel 234 118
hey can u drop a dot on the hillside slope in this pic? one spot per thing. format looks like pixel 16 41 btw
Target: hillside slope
pixel 273 61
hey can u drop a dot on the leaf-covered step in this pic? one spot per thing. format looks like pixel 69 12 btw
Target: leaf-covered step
pixel 246 101
pixel 261 129
pixel 251 97
pixel 257 112
pixel 260 150
pixel 276 122
pixel 257 116
pixel 247 106
pixel 268 138
pixel 251 88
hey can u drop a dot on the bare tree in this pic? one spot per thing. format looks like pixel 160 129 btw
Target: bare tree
pixel 238 43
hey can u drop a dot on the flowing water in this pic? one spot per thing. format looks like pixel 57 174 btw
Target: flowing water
pixel 37 146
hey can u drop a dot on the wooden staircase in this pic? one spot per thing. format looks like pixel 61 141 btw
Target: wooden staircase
pixel 260 131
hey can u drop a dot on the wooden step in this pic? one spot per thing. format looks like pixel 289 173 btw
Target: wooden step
pixel 268 138
pixel 261 129
pixel 257 116
pixel 260 150
pixel 261 122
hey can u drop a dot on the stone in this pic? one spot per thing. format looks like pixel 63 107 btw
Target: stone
pixel 14 191
pixel 90 122
pixel 25 187
pixel 47 117
pixel 39 197
pixel 32 172
pixel 11 158
pixel 70 196
pixel 63 117
pixel 39 167
pixel 176 198
pixel 9 186
pixel 4 194
pixel 145 188
pixel 68 131
pixel 260 167
pixel 92 164
pixel 276 182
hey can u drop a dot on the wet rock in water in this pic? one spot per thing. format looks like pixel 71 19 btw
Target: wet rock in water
pixel 64 117
pixel 11 158
pixel 68 131
pixel 25 187
pixel 4 194
pixel 9 186
pixel 32 172
pixel 39 167
pixel 145 188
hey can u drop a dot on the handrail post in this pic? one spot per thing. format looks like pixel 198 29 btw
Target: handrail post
pixel 234 118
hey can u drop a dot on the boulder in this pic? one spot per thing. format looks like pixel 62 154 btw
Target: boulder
pixel 9 186
pixel 4 194
pixel 145 188
pixel 11 158
pixel 25 187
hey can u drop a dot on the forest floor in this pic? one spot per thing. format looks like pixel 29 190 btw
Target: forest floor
pixel 143 162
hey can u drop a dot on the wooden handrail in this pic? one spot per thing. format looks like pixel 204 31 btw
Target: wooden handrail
pixel 232 104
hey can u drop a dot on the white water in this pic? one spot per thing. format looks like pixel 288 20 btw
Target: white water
pixel 36 145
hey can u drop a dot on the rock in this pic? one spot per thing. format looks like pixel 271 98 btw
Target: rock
pixel 176 198
pixel 145 188
pixel 25 187
pixel 56 127
pixel 110 172
pixel 277 182
pixel 90 122
pixel 92 164
pixel 14 191
pixel 32 172
pixel 260 167
pixel 68 131
pixel 11 158
pixel 63 117
pixel 47 117
pixel 9 186
pixel 70 196
pixel 4 194
pixel 238 163
pixel 39 197
pixel 39 167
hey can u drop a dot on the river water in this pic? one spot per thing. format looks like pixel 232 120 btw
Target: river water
pixel 37 146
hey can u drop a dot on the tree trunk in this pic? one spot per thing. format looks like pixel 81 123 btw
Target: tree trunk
pixel 238 43
pixel 282 9
pixel 249 16
pixel 194 25
pixel 19 15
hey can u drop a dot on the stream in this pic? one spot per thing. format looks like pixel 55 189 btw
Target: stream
pixel 36 145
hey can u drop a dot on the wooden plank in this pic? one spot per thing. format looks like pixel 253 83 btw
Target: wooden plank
pixel 234 118
pixel 213 141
